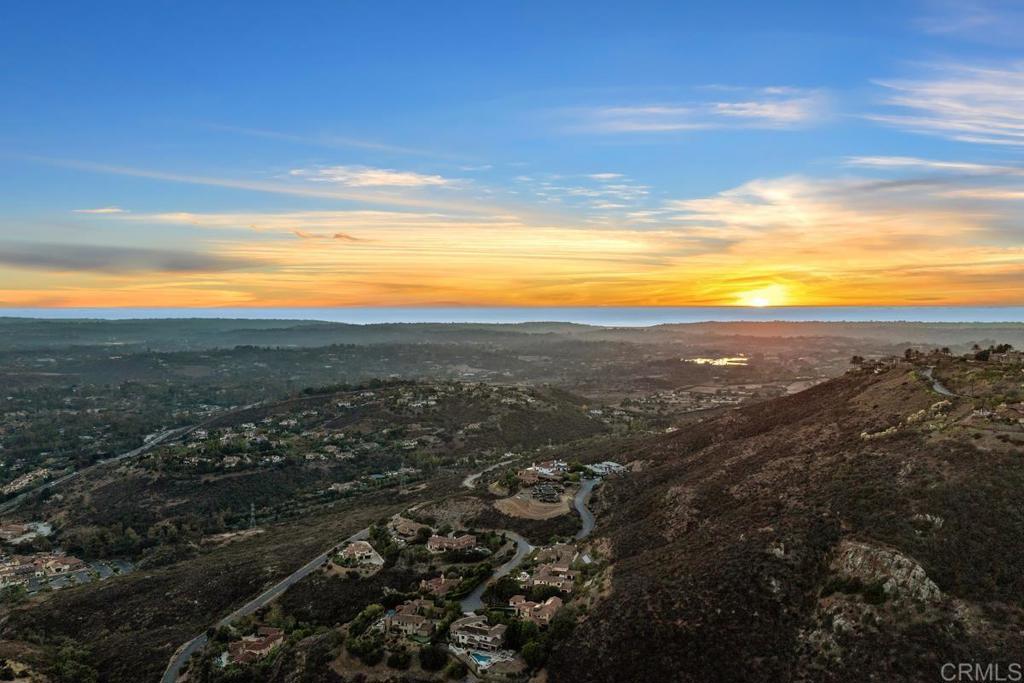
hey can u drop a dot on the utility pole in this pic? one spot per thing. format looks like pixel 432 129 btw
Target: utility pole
pixel 252 515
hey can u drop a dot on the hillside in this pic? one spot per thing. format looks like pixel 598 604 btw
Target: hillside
pixel 866 529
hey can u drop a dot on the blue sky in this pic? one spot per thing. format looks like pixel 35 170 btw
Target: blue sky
pixel 454 153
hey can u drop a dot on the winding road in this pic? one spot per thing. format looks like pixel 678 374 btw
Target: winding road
pixel 181 656
pixel 470 481
pixel 149 445
pixel 474 600
pixel 160 438
pixel 470 603
pixel 936 384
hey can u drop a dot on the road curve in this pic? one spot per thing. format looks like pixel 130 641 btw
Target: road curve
pixel 144 448
pixel 580 503
pixel 470 481
pixel 474 600
pixel 181 656
pixel 149 445
pixel 937 386
pixel 471 602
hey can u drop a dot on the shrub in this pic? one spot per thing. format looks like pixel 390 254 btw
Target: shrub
pixel 433 658
pixel 456 670
pixel 399 660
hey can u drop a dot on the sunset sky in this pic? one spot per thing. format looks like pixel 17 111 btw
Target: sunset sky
pixel 511 153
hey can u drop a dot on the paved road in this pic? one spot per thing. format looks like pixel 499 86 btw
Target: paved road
pixel 470 603
pixel 144 448
pixel 474 601
pixel 936 384
pixel 470 481
pixel 180 658
pixel 152 443
pixel 580 503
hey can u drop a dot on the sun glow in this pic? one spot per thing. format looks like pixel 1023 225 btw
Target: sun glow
pixel 772 295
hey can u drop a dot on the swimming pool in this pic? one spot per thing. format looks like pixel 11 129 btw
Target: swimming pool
pixel 482 659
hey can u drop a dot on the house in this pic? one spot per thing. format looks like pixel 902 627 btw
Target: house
pixel 410 625
pixel 606 468
pixel 528 477
pixel 551 469
pixel 476 633
pixel 358 551
pixel 438 585
pixel 440 544
pixel 59 564
pixel 411 619
pixel 540 613
pixel 253 647
pixel 558 576
pixel 562 553
pixel 405 529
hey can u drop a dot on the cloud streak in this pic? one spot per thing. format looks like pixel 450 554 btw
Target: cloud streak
pixel 977 104
pixel 764 108
pixel 365 176
pixel 103 210
pixel 110 260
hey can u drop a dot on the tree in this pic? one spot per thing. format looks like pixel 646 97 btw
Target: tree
pixel 399 660
pixel 456 670
pixel 433 657
pixel 534 654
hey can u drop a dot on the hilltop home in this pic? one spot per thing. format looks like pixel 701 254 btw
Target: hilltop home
pixel 410 619
pixel 405 529
pixel 562 553
pixel 359 551
pixel 558 576
pixel 438 585
pixel 254 647
pixel 440 544
pixel 540 613
pixel 606 468
pixel 476 633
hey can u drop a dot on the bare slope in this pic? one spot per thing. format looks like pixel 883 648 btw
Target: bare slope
pixel 851 532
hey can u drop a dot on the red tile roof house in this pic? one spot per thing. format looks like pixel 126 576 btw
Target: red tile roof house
pixel 405 529
pixel 360 551
pixel 254 647
pixel 559 576
pixel 59 564
pixel 438 585
pixel 410 619
pixel 440 544
pixel 476 633
pixel 540 613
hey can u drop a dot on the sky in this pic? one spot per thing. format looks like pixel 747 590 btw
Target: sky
pixel 320 154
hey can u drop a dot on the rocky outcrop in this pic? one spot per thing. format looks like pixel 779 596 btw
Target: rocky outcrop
pixel 899 575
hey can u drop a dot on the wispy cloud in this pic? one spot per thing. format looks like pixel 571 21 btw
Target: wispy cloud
pixel 324 140
pixel 766 108
pixel 902 163
pixel 966 103
pixel 287 186
pixel 366 176
pixel 113 260
pixel 999 22
pixel 103 209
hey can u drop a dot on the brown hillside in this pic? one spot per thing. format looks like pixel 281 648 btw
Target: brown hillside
pixel 851 532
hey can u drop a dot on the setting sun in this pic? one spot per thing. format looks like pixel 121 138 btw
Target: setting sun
pixel 772 295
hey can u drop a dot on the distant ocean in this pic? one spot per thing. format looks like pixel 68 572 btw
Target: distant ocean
pixel 610 316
